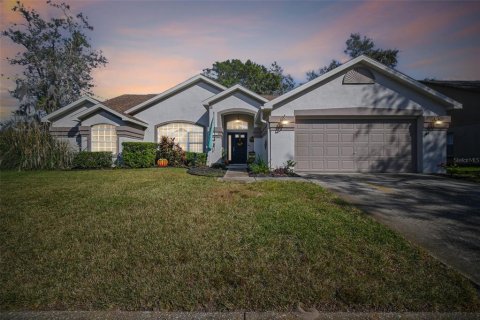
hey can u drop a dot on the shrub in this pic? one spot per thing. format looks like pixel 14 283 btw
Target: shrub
pixel 30 146
pixel 286 170
pixel 171 151
pixel 92 160
pixel 218 165
pixel 195 159
pixel 259 167
pixel 251 157
pixel 139 154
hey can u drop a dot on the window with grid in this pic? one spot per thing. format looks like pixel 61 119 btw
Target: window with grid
pixel 188 136
pixel 237 125
pixel 104 138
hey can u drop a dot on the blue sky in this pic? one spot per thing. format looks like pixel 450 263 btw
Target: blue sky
pixel 153 45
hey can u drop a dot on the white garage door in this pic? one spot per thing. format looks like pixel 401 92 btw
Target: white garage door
pixel 355 145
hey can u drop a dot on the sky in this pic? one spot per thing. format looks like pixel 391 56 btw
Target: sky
pixel 154 45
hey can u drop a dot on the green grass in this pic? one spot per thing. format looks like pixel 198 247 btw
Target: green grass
pixel 471 173
pixel 153 239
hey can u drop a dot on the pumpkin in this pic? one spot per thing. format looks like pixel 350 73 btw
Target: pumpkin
pixel 162 162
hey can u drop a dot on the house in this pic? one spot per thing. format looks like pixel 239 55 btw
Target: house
pixel 361 116
pixel 463 135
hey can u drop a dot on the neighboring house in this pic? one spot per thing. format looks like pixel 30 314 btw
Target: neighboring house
pixel 463 136
pixel 361 116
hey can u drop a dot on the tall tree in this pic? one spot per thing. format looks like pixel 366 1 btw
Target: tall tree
pixel 357 45
pixel 57 59
pixel 251 75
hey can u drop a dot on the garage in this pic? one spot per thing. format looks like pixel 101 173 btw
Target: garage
pixel 355 145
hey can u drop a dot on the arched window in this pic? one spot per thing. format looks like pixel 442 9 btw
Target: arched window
pixel 104 138
pixel 237 125
pixel 188 136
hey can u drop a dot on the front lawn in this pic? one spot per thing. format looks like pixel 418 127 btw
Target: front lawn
pixel 160 239
pixel 471 173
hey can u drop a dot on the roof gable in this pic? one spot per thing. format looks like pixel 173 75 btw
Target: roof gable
pixel 174 90
pixel 366 61
pixel 231 91
pixel 69 107
pixel 123 116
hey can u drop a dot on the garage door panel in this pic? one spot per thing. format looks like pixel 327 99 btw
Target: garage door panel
pixel 332 151
pixel 354 145
pixel 317 151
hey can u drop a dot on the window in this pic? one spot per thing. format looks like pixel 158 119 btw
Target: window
pixel 104 138
pixel 237 125
pixel 188 136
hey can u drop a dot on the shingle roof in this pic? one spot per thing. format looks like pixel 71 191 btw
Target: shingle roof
pixel 127 101
pixel 467 85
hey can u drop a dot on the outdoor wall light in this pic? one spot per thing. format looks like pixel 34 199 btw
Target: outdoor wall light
pixel 285 122
pixel 438 122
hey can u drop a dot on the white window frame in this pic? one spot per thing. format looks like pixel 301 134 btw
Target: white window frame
pixel 191 141
pixel 106 139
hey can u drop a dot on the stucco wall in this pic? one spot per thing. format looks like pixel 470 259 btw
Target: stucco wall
pixel 282 147
pixel 70 118
pixel 385 93
pixel 102 117
pixel 183 106
pixel 229 108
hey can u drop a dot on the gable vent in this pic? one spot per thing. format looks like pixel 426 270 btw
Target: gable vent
pixel 359 76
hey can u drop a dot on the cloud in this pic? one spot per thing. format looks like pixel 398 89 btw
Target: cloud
pixel 140 72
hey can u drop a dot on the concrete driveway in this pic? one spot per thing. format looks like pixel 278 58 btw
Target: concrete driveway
pixel 440 214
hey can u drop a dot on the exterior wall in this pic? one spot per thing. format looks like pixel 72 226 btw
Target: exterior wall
pixel 70 119
pixel 282 147
pixel 261 146
pixel 385 93
pixel 434 150
pixel 229 108
pixel 102 117
pixel 183 106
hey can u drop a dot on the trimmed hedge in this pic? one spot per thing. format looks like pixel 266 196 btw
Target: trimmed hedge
pixel 92 160
pixel 195 159
pixel 139 154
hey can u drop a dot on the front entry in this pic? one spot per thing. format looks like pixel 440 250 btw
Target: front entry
pixel 237 147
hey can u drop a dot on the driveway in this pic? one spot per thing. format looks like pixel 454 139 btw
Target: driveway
pixel 440 214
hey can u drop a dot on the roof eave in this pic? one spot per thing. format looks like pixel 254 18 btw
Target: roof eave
pixel 232 90
pixel 116 113
pixel 175 89
pixel 66 108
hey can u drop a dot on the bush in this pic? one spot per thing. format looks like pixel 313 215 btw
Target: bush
pixel 286 170
pixel 195 159
pixel 92 160
pixel 168 149
pixel 30 146
pixel 139 154
pixel 259 167
pixel 218 165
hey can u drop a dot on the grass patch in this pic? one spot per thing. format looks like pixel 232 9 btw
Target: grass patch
pixel 152 239
pixel 206 172
pixel 471 173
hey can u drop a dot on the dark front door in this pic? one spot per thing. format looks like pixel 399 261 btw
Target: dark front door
pixel 238 146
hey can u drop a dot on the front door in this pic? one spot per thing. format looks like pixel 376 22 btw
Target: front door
pixel 237 147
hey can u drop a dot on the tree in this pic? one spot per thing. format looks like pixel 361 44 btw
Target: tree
pixel 251 75
pixel 356 46
pixel 312 74
pixel 57 59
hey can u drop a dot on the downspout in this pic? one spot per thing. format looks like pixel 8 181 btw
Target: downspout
pixel 268 135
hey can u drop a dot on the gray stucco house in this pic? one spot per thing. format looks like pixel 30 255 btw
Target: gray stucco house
pixel 361 116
